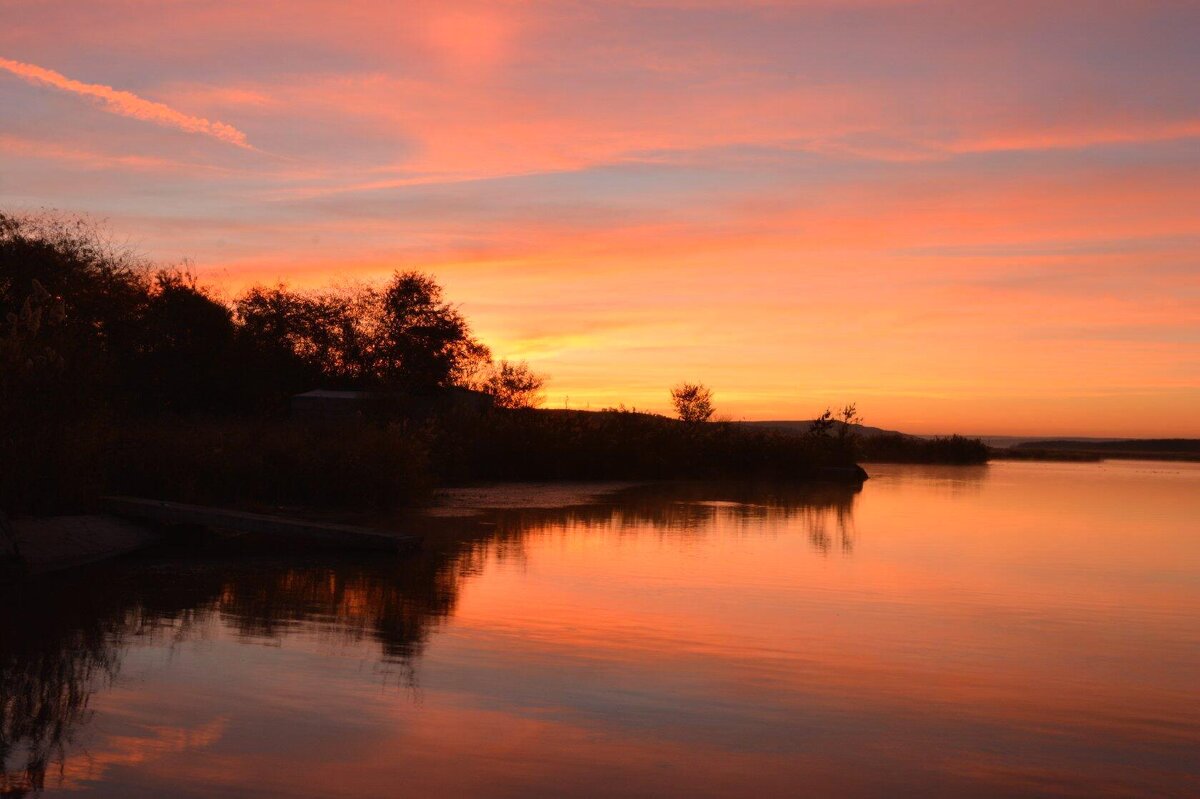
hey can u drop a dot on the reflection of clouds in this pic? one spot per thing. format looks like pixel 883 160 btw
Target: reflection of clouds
pixel 135 750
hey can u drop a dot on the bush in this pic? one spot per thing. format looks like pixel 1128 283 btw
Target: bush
pixel 897 448
pixel 693 402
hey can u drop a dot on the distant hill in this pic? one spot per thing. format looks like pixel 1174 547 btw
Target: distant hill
pixel 804 425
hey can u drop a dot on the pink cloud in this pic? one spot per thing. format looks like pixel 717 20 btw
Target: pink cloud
pixel 127 104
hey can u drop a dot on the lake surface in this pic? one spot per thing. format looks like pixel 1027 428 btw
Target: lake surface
pixel 1010 630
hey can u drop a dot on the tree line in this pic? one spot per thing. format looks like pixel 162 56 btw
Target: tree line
pixel 117 376
pixel 152 340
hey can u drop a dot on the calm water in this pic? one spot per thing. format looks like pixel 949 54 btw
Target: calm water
pixel 1017 629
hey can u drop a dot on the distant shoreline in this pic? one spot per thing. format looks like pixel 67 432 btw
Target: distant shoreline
pixel 1089 456
pixel 1048 448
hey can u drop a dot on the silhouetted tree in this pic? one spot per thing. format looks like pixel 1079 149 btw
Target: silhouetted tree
pixel 422 341
pixel 822 425
pixel 104 289
pixel 404 336
pixel 186 358
pixel 306 338
pixel 693 402
pixel 512 385
pixel 849 419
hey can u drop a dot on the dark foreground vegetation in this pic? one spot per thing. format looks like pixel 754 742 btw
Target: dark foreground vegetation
pixel 120 377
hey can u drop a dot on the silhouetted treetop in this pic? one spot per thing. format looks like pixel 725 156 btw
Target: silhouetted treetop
pixel 320 335
pixel 403 336
pixel 511 385
pixel 422 342
pixel 693 402
pixel 186 348
pixel 158 341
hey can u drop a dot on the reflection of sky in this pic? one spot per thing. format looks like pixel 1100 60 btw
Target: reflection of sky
pixel 800 203
pixel 1018 629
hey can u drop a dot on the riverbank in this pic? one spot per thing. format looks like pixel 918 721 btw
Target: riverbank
pixel 453 516
pixel 382 463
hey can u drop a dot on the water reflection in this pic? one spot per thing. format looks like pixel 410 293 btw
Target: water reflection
pixel 64 635
pixel 64 639
pixel 695 508
pixel 951 481
pixel 1024 629
pixel 56 652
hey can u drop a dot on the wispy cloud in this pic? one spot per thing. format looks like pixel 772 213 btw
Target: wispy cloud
pixel 127 103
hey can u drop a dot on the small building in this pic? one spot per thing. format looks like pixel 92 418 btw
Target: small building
pixel 324 404
pixel 461 399
pixel 333 405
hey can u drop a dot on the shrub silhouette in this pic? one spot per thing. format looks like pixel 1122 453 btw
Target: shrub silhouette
pixel 693 402
pixel 511 385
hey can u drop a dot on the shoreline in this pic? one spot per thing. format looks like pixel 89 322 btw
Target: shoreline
pixel 42 545
pixel 60 543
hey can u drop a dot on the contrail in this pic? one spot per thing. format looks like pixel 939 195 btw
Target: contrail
pixel 128 104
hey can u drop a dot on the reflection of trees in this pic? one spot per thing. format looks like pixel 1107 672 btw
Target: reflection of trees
pixel 843 524
pixel 694 507
pixel 952 481
pixel 47 675
pixel 63 637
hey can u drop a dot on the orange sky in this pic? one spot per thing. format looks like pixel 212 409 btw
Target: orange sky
pixel 979 217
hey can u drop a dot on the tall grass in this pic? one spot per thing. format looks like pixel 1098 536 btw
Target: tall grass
pixel 356 464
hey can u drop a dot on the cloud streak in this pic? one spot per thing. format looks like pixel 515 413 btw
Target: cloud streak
pixel 127 104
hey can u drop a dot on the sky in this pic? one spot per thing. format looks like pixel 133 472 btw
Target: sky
pixel 978 217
